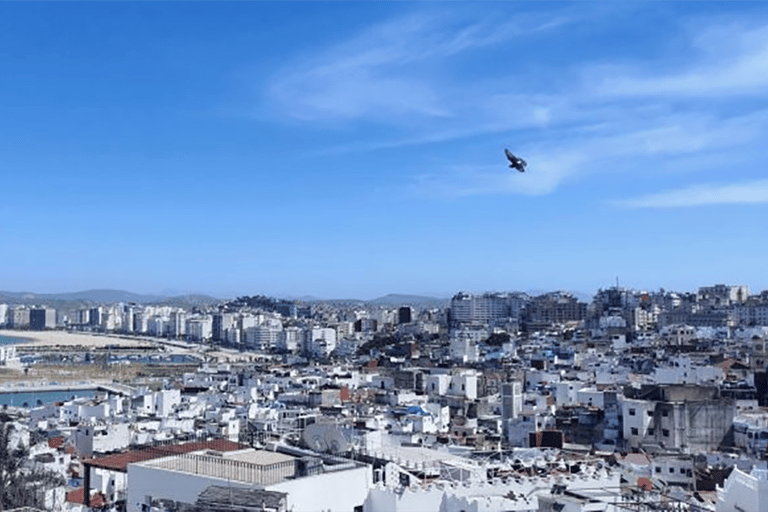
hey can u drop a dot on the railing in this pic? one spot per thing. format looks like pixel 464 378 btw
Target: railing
pixel 228 469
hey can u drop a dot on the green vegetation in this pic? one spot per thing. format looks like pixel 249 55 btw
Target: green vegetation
pixel 379 342
pixel 497 339
pixel 19 486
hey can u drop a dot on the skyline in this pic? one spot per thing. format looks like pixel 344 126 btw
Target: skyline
pixel 356 150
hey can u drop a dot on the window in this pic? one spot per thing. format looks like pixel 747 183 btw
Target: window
pixel 658 469
pixel 671 470
pixel 649 412
pixel 650 431
pixel 665 413
pixel 665 432
pixel 634 431
pixel 631 412
pixel 682 471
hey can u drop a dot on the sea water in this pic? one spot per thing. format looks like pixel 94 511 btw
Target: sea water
pixel 32 398
pixel 10 340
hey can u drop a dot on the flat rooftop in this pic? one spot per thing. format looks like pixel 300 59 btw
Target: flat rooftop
pixel 258 457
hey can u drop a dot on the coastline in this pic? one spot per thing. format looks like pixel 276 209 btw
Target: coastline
pixel 69 339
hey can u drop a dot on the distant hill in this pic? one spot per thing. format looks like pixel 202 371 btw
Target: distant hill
pixel 108 296
pixel 103 296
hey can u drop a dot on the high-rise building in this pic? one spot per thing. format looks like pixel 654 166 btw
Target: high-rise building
pixel 199 329
pixel 263 337
pixel 178 324
pixel 554 308
pixel 42 318
pixel 722 295
pixel 18 317
pixel 222 322
pixel 486 308
pixel 511 400
pixel 95 317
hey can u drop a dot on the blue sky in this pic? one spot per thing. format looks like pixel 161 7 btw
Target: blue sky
pixel 357 149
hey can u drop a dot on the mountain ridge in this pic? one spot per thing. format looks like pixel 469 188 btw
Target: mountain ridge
pixel 104 295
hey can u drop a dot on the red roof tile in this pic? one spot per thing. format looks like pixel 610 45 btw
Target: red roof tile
pixel 98 499
pixel 55 442
pixel 120 461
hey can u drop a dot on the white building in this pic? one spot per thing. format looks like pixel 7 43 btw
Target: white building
pixel 290 339
pixel 200 329
pixel 263 338
pixel 310 483
pixel 750 432
pixel 465 342
pixel 177 324
pixel 681 370
pixel 744 492
pixel 319 341
pixel 101 438
pixel 8 355
pixel 486 308
pixel 166 401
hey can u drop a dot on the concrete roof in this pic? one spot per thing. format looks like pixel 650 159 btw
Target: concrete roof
pixel 260 457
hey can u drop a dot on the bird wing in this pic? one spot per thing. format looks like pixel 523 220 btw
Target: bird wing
pixel 510 156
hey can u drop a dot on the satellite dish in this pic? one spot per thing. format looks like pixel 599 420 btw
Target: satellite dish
pixel 313 437
pixel 324 437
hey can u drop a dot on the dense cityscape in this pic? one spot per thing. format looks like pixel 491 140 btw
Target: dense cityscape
pixel 555 189
pixel 503 401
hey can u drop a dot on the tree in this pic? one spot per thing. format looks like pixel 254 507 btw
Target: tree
pixel 18 485
pixel 497 339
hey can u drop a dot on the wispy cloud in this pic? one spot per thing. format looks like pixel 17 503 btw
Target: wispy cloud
pixel 467 180
pixel 702 195
pixel 730 61
pixel 397 74
pixel 599 150
pixel 390 72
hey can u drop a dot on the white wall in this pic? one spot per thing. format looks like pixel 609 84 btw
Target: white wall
pixel 744 492
pixel 339 491
pixel 590 396
pixel 158 483
pixel 166 400
pixel 485 496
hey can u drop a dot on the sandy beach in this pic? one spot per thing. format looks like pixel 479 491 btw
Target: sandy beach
pixel 63 338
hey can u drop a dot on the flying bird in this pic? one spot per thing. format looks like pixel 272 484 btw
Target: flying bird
pixel 515 162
